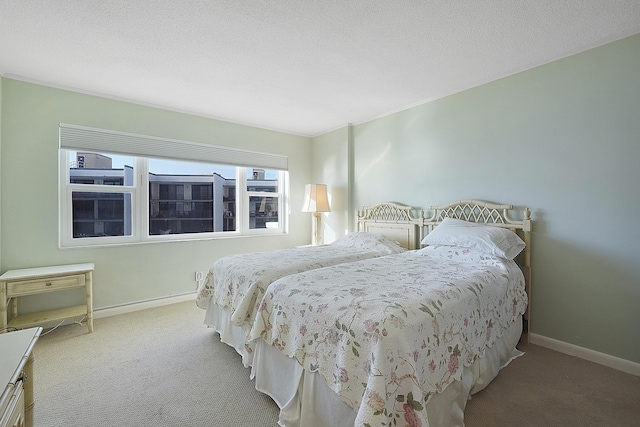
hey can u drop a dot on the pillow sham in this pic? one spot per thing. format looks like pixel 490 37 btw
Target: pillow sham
pixel 496 241
pixel 461 254
pixel 370 241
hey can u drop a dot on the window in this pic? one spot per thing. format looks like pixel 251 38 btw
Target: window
pixel 264 200
pixel 181 197
pixel 111 197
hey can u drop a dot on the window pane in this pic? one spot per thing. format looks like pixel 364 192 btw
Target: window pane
pixel 100 169
pixel 191 197
pixel 263 180
pixel 229 207
pixel 100 214
pixel 263 212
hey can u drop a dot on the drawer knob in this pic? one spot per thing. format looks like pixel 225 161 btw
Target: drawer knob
pixel 48 284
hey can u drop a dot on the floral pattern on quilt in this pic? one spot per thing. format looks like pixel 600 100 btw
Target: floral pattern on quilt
pixel 370 241
pixel 239 281
pixel 388 333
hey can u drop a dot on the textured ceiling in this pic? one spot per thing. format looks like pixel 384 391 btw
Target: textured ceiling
pixel 299 66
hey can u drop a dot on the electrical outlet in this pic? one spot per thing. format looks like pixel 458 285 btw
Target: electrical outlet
pixel 199 276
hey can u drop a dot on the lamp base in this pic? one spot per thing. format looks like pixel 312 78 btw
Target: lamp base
pixel 316 232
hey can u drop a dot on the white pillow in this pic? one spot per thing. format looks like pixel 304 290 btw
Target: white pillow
pixel 370 241
pixel 496 241
pixel 467 255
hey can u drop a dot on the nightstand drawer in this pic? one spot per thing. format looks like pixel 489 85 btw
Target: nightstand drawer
pixel 36 286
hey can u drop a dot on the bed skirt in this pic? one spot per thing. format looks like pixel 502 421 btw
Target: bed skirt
pixel 306 401
pixel 218 319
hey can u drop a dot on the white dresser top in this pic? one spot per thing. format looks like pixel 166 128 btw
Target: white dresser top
pixel 13 346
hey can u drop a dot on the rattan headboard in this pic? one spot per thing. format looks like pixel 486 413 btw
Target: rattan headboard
pixel 400 222
pixel 480 212
pixel 495 215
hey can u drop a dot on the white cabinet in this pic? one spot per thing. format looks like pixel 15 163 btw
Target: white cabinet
pixel 16 376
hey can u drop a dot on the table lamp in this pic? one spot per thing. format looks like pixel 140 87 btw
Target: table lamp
pixel 316 201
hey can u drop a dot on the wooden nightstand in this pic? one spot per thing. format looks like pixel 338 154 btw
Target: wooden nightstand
pixel 32 281
pixel 16 376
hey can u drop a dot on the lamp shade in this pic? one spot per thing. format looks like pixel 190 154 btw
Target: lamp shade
pixel 315 198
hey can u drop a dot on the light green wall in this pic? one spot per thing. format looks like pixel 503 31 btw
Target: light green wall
pixel 330 166
pixel 562 139
pixel 29 174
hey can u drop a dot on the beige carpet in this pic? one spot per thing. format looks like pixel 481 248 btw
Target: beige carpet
pixel 162 367
pixel 547 388
pixel 156 367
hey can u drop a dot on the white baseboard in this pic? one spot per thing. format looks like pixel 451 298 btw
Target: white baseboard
pixel 142 305
pixel 126 308
pixel 587 354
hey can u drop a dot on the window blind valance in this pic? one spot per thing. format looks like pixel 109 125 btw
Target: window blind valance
pixel 74 137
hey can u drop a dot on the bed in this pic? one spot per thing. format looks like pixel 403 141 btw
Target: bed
pixel 235 284
pixel 403 339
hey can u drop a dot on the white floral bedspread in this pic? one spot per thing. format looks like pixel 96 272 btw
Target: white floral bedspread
pixel 387 333
pixel 239 281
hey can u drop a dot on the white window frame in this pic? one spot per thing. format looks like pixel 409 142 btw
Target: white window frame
pixel 245 195
pixel 66 208
pixel 140 189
